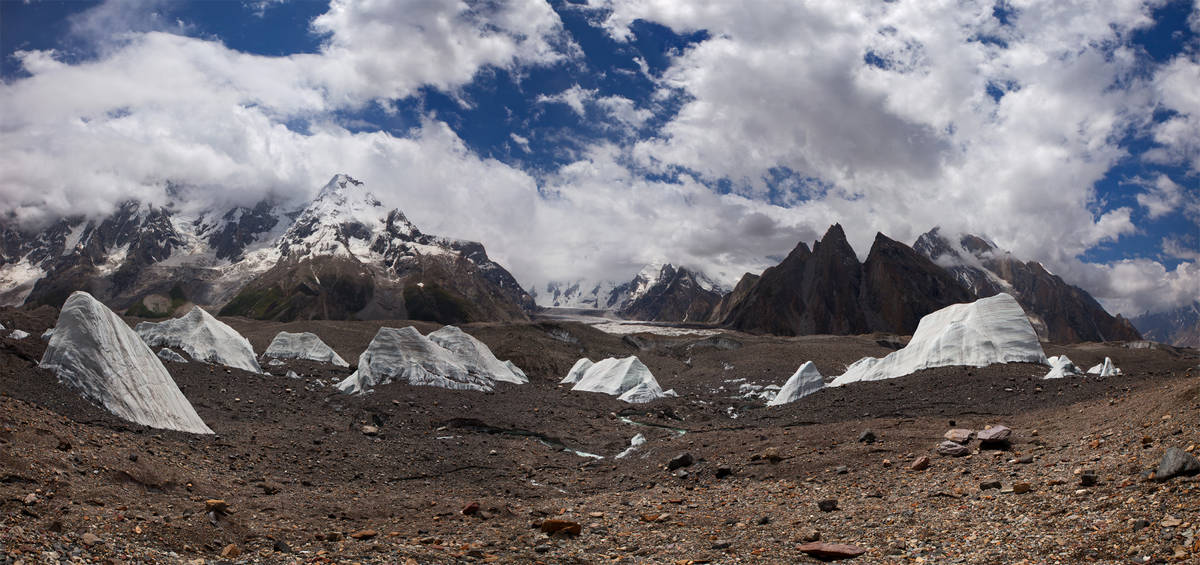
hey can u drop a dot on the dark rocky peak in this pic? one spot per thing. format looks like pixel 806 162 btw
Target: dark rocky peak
pixel 240 227
pixel 900 286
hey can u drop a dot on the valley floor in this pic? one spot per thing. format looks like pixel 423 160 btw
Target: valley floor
pixel 460 477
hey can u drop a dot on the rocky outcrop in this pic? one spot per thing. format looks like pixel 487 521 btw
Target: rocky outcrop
pixel 1179 327
pixel 827 291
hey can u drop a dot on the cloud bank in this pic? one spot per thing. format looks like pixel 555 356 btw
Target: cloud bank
pixel 891 117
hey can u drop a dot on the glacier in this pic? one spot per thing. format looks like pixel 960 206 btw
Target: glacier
pixel 303 345
pixel 94 351
pixel 805 381
pixel 1061 367
pixel 989 330
pixel 202 337
pixel 1105 369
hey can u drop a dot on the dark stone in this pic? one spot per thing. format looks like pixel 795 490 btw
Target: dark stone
pixel 133 457
pixel 841 470
pixel 987 485
pixel 281 546
pixel 951 449
pixel 867 437
pixel 764 520
pixel 681 460
pixel 1088 479
pixel 561 526
pixel 1140 524
pixel 723 472
pixel 1176 462
pixel 828 505
pixel 997 436
pixel 472 508
pixel 721 544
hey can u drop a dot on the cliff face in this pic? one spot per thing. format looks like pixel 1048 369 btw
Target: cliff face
pixel 828 291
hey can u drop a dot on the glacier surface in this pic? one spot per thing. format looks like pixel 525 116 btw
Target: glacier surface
pixel 476 356
pixel 404 355
pixel 1061 367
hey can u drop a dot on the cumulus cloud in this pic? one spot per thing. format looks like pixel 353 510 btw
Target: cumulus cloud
pixel 1162 196
pixel 890 117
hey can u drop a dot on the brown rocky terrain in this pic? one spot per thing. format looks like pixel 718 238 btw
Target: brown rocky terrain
pixel 298 472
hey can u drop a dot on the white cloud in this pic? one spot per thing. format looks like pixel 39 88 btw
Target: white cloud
pixel 1162 196
pixel 575 98
pixel 1179 136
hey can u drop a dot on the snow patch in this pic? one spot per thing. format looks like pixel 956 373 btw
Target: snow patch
pixel 304 345
pixel 94 351
pixel 18 334
pixel 805 381
pixel 204 338
pixel 989 330
pixel 636 442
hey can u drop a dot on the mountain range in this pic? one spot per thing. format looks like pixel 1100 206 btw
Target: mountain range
pixel 342 256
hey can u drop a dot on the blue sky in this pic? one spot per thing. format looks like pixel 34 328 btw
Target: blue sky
pixel 584 139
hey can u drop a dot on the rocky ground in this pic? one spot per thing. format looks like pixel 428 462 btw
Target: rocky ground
pixel 300 473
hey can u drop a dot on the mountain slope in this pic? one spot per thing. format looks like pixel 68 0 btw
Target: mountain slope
pixel 347 256
pixel 1060 312
pixel 1179 327
pixel 671 295
pixel 343 255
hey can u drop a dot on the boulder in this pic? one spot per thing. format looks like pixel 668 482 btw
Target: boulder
pixel 831 551
pixel 1176 462
pixel 951 449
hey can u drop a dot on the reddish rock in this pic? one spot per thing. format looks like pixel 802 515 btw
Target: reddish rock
pixel 998 434
pixel 566 526
pixel 470 509
pixel 831 551
pixel 231 551
pixel 920 464
pixel 364 534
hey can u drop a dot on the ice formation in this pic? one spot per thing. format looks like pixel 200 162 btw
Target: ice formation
pixel 93 350
pixel 202 337
pixel 805 381
pixel 476 356
pixel 18 334
pixel 404 355
pixel 46 335
pixel 168 354
pixel 304 345
pixel 1061 366
pixel 628 379
pixel 989 330
pixel 1105 369
pixel 636 442
pixel 577 370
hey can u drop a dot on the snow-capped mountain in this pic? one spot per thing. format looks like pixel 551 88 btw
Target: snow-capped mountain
pixel 1179 327
pixel 658 292
pixel 343 254
pixel 1060 312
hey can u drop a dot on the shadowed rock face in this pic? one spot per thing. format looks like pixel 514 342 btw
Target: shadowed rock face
pixel 725 306
pixel 677 296
pixel 1060 312
pixel 900 286
pixel 828 291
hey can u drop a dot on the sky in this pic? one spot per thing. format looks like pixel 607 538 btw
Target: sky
pixel 584 139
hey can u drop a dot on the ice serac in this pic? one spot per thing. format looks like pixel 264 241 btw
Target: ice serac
pixel 1060 367
pixel 168 354
pixel 303 345
pixel 1105 369
pixel 18 334
pixel 577 371
pixel 94 351
pixel 806 380
pixel 404 355
pixel 202 337
pixel 476 356
pixel 987 331
pixel 628 379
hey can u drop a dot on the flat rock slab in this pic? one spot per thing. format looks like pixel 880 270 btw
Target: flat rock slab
pixel 958 435
pixel 831 551
pixel 995 434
